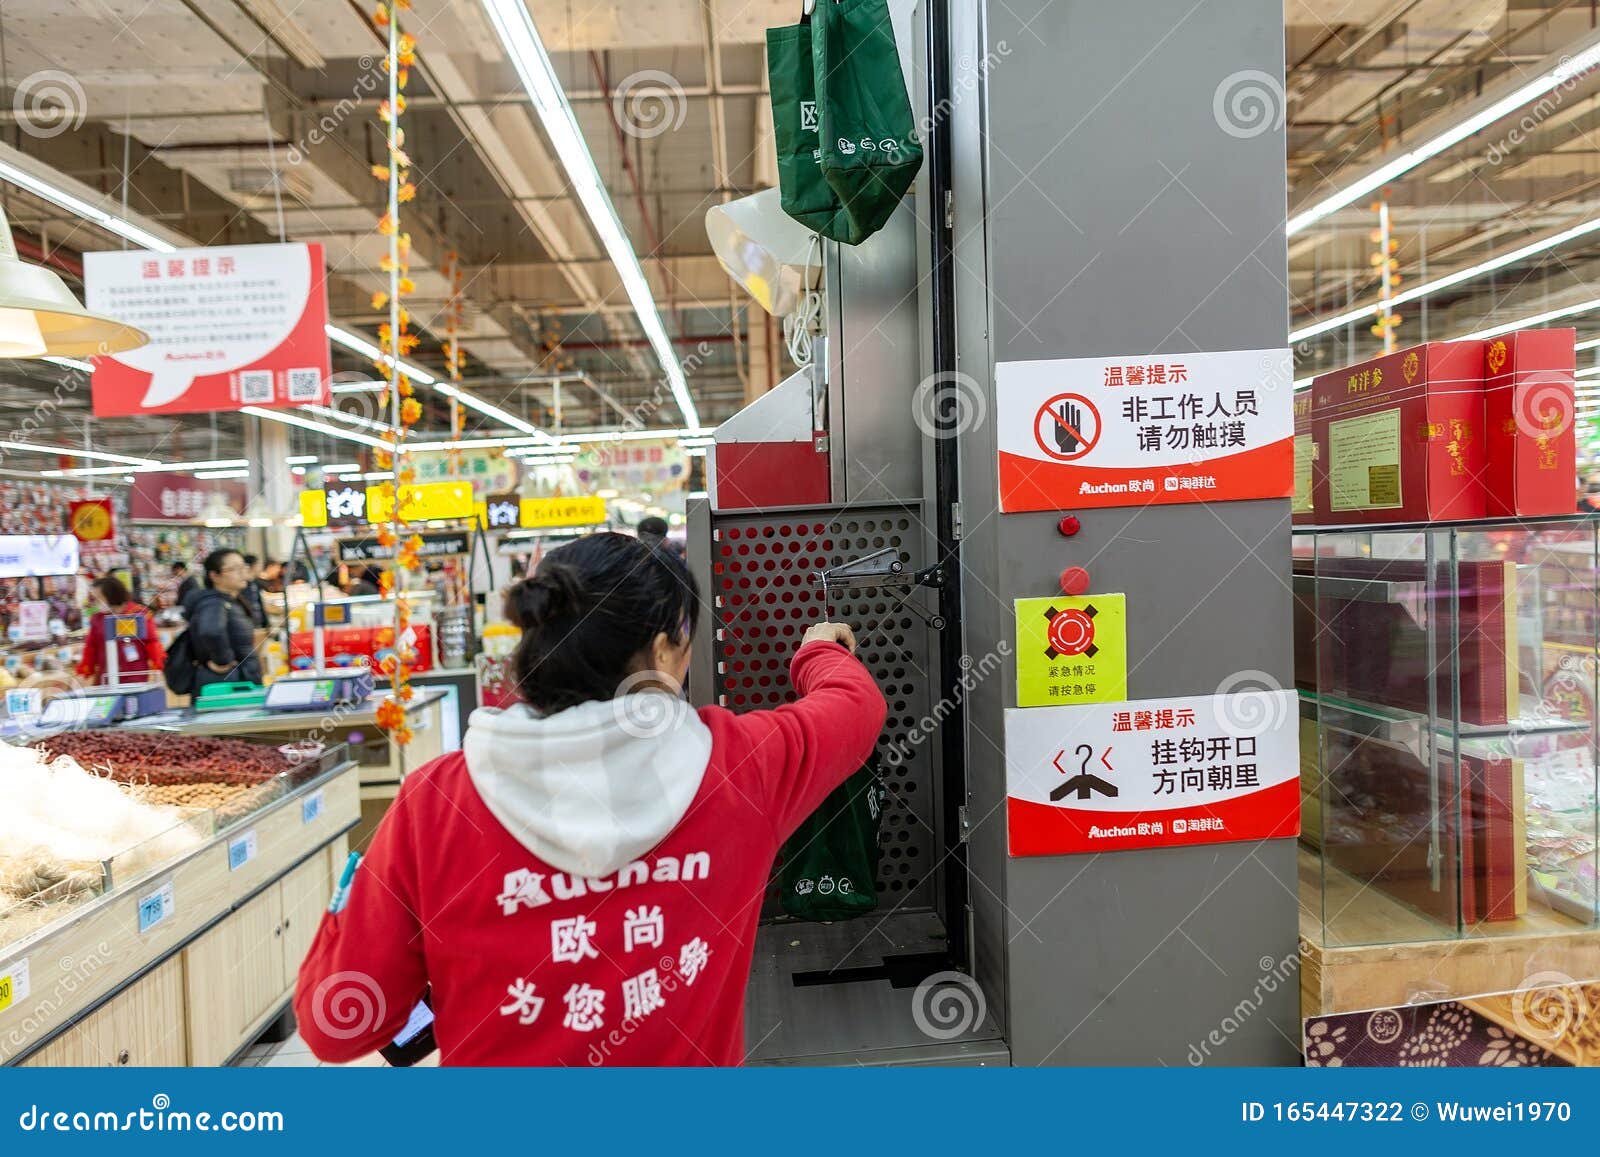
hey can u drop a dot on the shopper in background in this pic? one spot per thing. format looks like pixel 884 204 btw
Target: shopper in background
pixel 271 578
pixel 250 597
pixel 362 583
pixel 1589 496
pixel 137 659
pixel 220 631
pixel 187 584
pixel 594 859
pixel 653 531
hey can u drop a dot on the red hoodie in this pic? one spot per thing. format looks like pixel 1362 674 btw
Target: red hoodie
pixel 584 888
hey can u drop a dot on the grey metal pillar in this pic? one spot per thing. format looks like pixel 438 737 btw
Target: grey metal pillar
pixel 267 445
pixel 1100 209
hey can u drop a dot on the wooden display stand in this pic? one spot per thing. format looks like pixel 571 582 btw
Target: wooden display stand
pixel 1493 958
pixel 202 980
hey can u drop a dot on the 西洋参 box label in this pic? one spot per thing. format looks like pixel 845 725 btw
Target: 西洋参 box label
pixel 1364 462
pixel 1304 448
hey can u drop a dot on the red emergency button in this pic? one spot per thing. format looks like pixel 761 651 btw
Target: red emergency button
pixel 1074 581
pixel 1068 526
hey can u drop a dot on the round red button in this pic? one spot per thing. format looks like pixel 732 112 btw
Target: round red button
pixel 1074 581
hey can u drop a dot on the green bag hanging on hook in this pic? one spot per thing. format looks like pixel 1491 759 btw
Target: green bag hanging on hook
pixel 802 190
pixel 869 145
pixel 829 867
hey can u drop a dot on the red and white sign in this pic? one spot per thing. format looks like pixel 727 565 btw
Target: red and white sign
pixel 1134 431
pixel 233 326
pixel 1152 773
pixel 181 498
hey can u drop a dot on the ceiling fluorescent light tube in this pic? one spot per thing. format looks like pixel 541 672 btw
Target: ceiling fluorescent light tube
pixel 1560 69
pixel 291 419
pixel 520 39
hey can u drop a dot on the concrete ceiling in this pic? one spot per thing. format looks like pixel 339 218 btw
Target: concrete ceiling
pixel 227 121
pixel 232 121
pixel 1368 80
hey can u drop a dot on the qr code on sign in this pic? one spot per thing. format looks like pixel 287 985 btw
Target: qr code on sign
pixel 255 386
pixel 305 385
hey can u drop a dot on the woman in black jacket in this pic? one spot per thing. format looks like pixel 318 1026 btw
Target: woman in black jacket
pixel 220 631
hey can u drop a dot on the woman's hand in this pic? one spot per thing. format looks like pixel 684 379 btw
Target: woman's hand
pixel 830 633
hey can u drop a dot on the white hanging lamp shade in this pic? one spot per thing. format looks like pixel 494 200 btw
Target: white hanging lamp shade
pixel 40 317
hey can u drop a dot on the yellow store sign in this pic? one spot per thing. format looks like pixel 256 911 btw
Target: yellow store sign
pixel 586 510
pixel 421 502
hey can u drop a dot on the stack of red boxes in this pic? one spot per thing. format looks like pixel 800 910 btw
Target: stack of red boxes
pixel 1446 431
pixel 1530 421
pixel 360 646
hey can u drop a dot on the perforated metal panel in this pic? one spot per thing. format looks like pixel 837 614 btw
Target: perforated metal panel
pixel 765 595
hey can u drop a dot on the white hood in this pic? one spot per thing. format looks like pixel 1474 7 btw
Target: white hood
pixel 594 787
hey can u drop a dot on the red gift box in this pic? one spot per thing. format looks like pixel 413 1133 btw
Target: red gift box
pixel 361 645
pixel 1401 438
pixel 1529 415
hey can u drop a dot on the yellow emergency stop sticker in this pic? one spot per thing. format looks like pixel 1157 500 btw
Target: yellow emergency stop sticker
pixel 1072 650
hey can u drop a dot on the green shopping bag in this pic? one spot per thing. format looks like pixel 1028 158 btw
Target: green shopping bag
pixel 802 190
pixel 870 150
pixel 830 864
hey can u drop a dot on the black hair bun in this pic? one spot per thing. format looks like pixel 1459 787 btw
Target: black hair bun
pixel 553 592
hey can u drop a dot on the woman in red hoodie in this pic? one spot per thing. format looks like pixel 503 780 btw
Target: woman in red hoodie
pixel 138 660
pixel 581 883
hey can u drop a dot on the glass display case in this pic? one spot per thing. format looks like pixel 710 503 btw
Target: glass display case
pixel 1447 681
pixel 40 886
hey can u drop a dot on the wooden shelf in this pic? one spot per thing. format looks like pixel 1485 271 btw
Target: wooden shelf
pixel 96 968
pixel 1382 954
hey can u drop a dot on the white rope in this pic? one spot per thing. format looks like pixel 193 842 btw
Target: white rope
pixel 802 324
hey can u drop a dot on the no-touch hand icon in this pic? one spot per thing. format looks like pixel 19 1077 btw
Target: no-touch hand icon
pixel 1067 427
